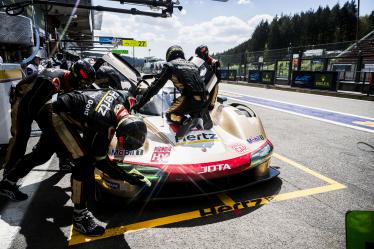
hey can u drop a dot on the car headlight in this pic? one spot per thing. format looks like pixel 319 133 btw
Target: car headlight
pixel 261 155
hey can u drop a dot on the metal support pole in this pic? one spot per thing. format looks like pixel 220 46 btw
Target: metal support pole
pixel 358 20
pixel 275 71
pixel 358 67
pixel 299 60
pixel 363 83
pixel 325 64
pixel 290 70
pixel 133 55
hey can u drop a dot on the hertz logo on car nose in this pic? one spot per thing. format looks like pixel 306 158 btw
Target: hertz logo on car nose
pixel 198 138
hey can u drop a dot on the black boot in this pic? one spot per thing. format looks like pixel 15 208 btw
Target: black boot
pixel 186 127
pixel 207 120
pixel 84 222
pixel 66 164
pixel 11 191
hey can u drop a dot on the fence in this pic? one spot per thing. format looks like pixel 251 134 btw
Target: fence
pixel 353 63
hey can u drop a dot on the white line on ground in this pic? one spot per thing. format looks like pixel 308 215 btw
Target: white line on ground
pixel 306 116
pixel 289 103
pixel 12 215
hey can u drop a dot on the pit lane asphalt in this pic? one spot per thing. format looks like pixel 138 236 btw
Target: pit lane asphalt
pixel 314 220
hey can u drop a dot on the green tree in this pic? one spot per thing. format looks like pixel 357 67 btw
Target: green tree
pixel 274 40
pixel 260 37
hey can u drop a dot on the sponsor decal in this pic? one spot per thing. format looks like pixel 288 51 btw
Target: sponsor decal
pixel 106 102
pixel 254 139
pixel 122 152
pixel 239 148
pixel 254 76
pixel 323 80
pixel 235 207
pixel 161 154
pixel 198 138
pixel 303 78
pixel 267 77
pixel 214 168
pixel 110 184
pixel 88 107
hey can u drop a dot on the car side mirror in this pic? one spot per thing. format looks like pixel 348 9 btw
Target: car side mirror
pixel 221 99
pixel 148 76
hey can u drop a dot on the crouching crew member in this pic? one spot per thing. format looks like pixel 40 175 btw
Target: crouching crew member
pixel 99 115
pixel 185 77
pixel 29 96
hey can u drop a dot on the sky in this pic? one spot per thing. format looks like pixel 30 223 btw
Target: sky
pixel 220 25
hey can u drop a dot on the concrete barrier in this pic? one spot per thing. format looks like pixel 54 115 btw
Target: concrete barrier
pixel 10 75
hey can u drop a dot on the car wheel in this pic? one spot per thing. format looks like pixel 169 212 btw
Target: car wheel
pixel 262 170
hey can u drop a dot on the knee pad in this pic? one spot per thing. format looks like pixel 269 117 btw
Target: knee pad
pixel 77 192
pixel 175 118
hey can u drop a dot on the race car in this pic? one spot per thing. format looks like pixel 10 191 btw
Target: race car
pixel 234 153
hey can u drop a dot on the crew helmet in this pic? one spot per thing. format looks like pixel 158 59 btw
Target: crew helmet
pixel 131 132
pixel 202 51
pixel 82 74
pixel 108 77
pixel 174 52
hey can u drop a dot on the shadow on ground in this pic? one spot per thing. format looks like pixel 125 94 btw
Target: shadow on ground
pixel 118 212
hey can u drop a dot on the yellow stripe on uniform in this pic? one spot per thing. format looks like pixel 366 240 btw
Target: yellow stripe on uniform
pixel 101 101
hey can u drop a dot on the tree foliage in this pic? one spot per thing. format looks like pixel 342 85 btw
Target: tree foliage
pixel 320 26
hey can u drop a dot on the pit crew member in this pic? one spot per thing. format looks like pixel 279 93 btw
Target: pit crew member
pixel 99 114
pixel 185 77
pixel 202 52
pixel 29 96
pixel 34 66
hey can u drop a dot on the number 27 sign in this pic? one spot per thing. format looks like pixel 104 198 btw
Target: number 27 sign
pixel 134 43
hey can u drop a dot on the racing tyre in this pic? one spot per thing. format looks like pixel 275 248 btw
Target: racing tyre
pixel 262 170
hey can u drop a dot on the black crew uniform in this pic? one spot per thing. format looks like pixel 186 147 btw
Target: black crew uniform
pixel 27 100
pixel 92 112
pixel 213 66
pixel 185 77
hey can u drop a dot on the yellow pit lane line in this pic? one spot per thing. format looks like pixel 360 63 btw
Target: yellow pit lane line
pixel 229 205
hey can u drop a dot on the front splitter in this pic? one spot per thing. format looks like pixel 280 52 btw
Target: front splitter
pixel 171 191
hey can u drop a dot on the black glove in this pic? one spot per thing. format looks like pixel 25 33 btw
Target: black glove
pixel 132 176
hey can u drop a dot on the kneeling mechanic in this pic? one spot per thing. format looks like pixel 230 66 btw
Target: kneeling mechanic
pixel 99 115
